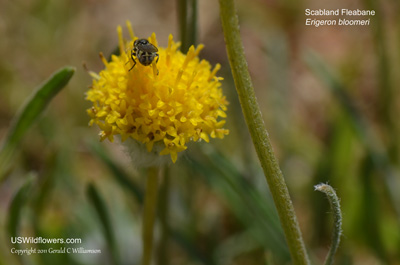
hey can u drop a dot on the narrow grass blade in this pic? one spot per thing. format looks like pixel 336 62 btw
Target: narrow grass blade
pixel 363 129
pixel 248 205
pixel 370 212
pixel 186 244
pixel 386 92
pixel 15 214
pixel 177 236
pixel 28 114
pixel 117 172
pixel 17 204
pixel 104 217
pixel 320 69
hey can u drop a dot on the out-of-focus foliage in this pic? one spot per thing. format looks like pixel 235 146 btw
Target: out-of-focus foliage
pixel 332 118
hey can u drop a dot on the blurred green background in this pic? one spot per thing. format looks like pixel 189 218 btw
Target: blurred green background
pixel 330 103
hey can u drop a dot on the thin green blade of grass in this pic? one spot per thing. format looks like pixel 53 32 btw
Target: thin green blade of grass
pixel 15 213
pixel 125 182
pixel 246 203
pixel 370 213
pixel 29 113
pixel 263 204
pixel 102 211
pixel 363 130
pixel 46 187
pixel 18 202
pixel 117 172
pixel 337 158
pixel 386 92
pixel 190 249
pixel 320 69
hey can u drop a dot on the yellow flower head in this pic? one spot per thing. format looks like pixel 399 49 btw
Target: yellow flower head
pixel 166 104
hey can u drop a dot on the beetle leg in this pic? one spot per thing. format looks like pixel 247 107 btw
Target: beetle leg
pixel 133 59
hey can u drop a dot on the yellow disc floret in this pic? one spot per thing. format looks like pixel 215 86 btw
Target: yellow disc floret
pixel 171 102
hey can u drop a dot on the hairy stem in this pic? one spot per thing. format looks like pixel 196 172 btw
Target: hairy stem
pixel 337 219
pixel 259 134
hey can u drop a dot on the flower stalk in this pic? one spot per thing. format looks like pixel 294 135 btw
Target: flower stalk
pixel 149 214
pixel 187 17
pixel 259 133
pixel 163 212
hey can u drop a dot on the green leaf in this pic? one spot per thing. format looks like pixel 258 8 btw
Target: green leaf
pixel 104 216
pixel 17 203
pixel 121 177
pixel 28 114
pixel 362 127
pixel 251 207
pixel 125 182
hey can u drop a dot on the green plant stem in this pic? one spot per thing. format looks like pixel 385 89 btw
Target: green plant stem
pixel 192 29
pixel 182 18
pixel 162 251
pixel 259 134
pixel 337 219
pixel 149 214
pixel 187 17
